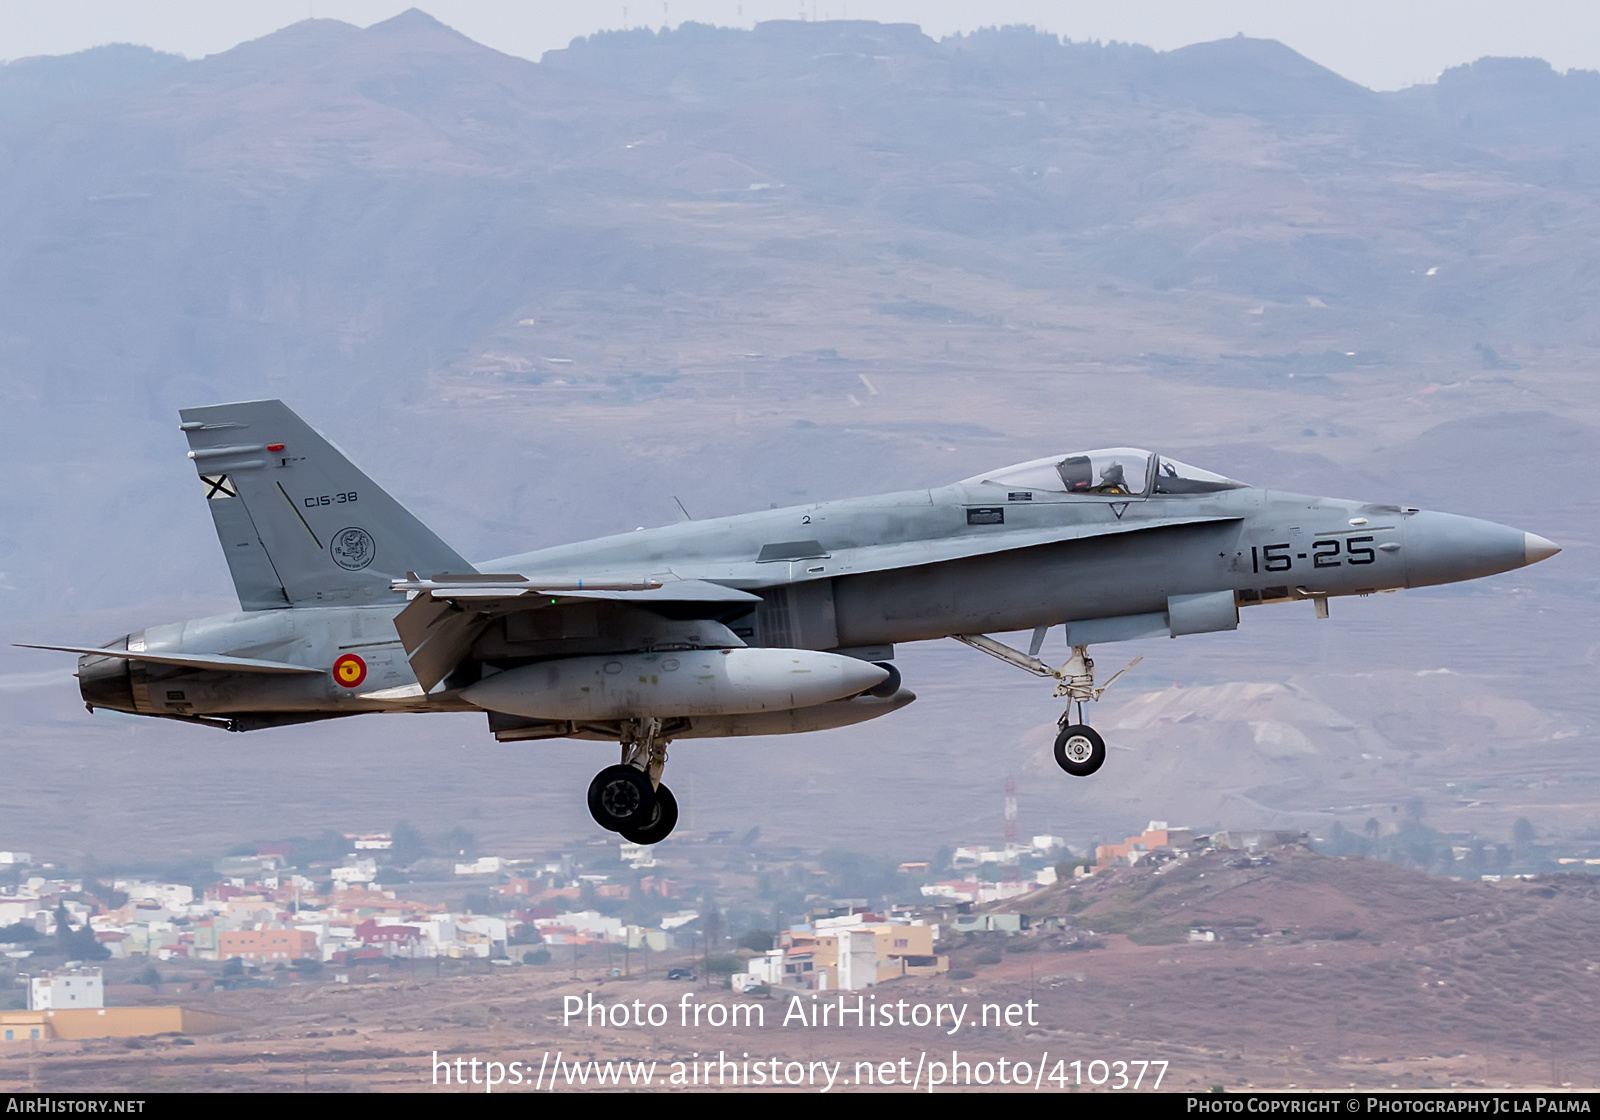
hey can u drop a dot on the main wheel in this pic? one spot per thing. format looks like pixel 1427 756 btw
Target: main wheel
pixel 663 819
pixel 620 797
pixel 1079 750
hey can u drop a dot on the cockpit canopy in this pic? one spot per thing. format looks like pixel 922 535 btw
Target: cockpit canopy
pixel 1114 471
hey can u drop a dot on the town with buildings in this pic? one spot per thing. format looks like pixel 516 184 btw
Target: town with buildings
pixel 85 955
pixel 759 916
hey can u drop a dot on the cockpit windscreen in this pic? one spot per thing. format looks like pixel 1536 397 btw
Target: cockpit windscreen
pixel 1173 477
pixel 1111 472
pixel 1114 472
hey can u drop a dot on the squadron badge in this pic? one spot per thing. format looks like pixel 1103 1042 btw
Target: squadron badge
pixel 352 549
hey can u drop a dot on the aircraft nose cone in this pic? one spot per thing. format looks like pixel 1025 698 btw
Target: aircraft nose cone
pixel 1535 548
pixel 1446 548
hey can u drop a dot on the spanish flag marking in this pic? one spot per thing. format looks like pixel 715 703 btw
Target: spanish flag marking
pixel 349 670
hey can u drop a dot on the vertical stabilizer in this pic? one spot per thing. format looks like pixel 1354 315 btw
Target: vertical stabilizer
pixel 299 523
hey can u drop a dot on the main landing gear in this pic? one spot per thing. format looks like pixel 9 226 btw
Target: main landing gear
pixel 1079 749
pixel 629 798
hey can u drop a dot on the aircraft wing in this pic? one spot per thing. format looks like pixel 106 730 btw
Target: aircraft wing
pixel 448 612
pixel 219 662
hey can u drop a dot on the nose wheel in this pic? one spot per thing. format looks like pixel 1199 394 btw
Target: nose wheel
pixel 629 798
pixel 1080 750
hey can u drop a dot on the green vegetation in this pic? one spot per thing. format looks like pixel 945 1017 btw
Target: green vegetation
pixel 853 874
pixel 1160 935
pixel 77 944
pixel 1118 921
pixel 1417 846
pixel 757 940
pixel 724 964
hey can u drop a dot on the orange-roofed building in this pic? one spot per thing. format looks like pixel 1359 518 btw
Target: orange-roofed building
pixel 266 944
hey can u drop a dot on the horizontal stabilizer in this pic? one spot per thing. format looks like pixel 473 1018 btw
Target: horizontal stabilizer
pixel 220 662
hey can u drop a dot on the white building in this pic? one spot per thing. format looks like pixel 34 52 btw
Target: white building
pixel 67 987
pixel 484 865
pixel 858 959
pixel 14 910
pixel 591 922
pixel 655 940
pixel 356 871
pixel 493 930
pixel 766 969
pixel 638 855
pixel 170 896
pixel 681 918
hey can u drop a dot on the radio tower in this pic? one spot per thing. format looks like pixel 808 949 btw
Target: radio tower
pixel 1011 811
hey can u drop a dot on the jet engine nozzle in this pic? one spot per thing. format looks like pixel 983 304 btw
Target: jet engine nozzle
pixel 105 682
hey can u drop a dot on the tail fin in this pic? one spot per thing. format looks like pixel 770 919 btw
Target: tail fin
pixel 299 523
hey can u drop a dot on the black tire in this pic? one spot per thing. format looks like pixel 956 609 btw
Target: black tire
pixel 663 819
pixel 1079 750
pixel 620 797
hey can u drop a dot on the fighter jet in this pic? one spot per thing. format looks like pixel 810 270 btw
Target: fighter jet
pixel 766 623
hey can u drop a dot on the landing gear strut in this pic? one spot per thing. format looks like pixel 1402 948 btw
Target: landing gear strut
pixel 629 797
pixel 1079 750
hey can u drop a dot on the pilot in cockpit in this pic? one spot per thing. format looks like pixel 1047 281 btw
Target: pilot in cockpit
pixel 1077 474
pixel 1112 480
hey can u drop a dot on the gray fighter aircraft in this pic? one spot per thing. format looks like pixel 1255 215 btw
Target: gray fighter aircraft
pixel 767 623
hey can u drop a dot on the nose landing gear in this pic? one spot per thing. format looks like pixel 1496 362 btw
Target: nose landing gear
pixel 1079 749
pixel 629 798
